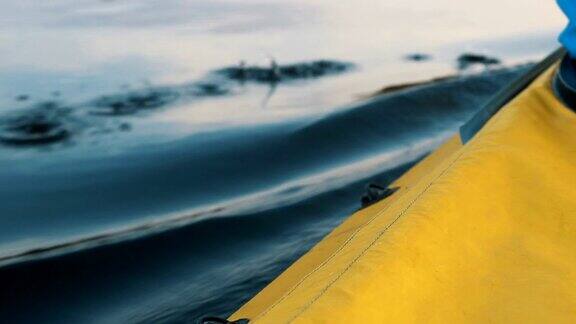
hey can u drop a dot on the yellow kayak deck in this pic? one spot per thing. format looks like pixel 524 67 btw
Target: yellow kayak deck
pixel 481 232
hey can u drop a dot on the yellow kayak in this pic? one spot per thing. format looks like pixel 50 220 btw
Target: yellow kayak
pixel 481 231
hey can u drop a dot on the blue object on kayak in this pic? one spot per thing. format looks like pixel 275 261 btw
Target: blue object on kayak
pixel 568 37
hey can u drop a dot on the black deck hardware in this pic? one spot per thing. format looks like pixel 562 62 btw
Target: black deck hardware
pixel 375 193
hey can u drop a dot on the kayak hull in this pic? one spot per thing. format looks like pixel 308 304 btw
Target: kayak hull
pixel 481 232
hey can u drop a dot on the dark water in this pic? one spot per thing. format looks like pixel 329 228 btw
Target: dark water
pixel 164 160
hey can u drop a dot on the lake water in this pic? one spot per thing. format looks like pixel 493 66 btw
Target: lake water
pixel 138 184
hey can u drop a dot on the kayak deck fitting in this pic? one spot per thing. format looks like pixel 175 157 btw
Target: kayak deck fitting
pixel 482 230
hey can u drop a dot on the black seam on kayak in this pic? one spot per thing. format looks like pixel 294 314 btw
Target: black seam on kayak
pixel 402 213
pixel 475 124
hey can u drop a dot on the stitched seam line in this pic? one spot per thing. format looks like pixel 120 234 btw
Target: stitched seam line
pixel 402 213
pixel 337 251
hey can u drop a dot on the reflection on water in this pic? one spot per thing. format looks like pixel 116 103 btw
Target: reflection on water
pixel 90 47
pixel 53 121
pixel 143 182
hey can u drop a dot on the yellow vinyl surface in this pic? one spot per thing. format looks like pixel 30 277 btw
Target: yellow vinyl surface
pixel 478 233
